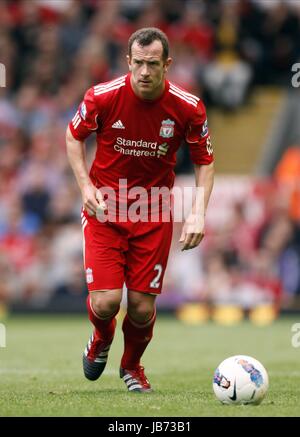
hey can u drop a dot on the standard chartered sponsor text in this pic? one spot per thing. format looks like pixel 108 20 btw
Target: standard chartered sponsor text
pixel 135 147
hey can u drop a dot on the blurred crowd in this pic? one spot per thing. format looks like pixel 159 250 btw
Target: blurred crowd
pixel 250 255
pixel 53 50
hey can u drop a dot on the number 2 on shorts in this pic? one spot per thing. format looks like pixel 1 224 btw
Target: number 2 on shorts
pixel 155 282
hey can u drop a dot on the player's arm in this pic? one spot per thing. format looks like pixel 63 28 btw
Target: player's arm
pixel 82 125
pixel 91 197
pixel 193 229
pixel 198 139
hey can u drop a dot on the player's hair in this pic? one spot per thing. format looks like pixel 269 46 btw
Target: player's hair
pixel 146 36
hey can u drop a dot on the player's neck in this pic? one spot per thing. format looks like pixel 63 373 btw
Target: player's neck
pixel 154 95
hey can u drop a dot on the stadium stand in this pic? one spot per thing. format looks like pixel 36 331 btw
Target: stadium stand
pixel 53 51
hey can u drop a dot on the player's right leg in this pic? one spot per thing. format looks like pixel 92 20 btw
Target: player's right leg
pixel 104 267
pixel 102 308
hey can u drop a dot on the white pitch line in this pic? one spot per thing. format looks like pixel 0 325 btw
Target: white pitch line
pixel 15 371
pixel 47 372
pixel 285 373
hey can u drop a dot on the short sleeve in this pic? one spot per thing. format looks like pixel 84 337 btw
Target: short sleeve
pixel 85 121
pixel 198 137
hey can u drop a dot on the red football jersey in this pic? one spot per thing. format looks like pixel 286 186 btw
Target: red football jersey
pixel 138 139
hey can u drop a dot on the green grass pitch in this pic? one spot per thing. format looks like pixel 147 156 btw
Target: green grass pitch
pixel 41 374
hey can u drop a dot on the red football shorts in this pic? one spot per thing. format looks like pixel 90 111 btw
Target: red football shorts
pixel 132 253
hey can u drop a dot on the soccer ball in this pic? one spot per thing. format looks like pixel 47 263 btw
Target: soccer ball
pixel 240 380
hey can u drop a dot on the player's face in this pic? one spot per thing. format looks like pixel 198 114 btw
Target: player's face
pixel 148 69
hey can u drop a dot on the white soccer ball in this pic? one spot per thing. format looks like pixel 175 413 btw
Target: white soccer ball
pixel 240 380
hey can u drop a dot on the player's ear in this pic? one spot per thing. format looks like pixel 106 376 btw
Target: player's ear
pixel 167 64
pixel 128 62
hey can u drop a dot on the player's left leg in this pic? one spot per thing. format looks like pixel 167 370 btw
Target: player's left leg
pixel 146 264
pixel 138 331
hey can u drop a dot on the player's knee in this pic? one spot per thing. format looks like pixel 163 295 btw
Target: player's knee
pixel 141 311
pixel 106 303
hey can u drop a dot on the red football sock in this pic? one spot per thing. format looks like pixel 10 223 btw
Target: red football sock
pixel 105 328
pixel 136 338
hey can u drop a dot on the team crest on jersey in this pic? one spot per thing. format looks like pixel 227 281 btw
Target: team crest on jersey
pixel 89 275
pixel 83 110
pixel 167 128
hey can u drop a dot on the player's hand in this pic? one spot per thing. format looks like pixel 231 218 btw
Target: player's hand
pixel 192 232
pixel 93 201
